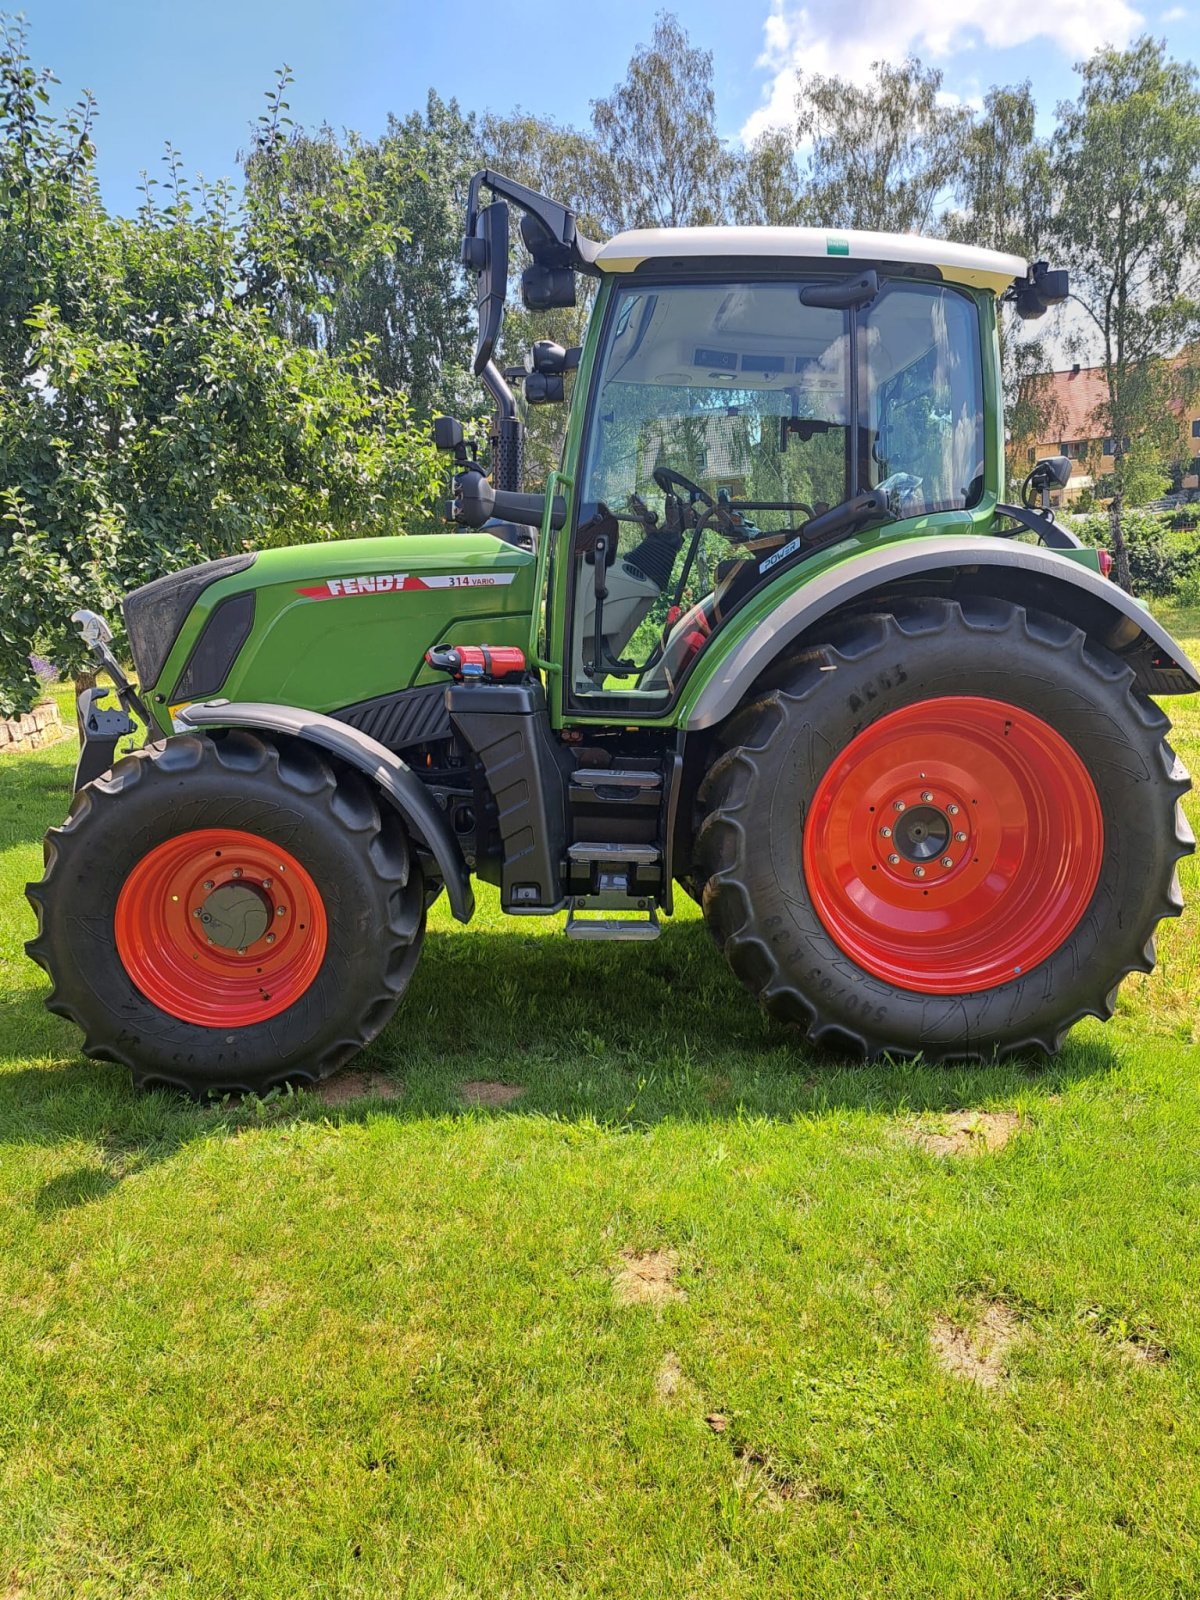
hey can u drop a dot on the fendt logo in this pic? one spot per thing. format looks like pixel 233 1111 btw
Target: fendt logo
pixel 395 582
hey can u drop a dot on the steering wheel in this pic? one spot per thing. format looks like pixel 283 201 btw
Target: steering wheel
pixel 670 482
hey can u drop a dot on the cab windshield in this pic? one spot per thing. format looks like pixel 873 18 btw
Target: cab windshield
pixel 726 417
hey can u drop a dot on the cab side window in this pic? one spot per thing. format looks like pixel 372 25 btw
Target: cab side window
pixel 924 399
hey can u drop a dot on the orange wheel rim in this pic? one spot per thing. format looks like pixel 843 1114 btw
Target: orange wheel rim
pixel 953 845
pixel 221 928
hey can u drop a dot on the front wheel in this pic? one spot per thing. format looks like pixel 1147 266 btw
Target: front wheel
pixel 225 914
pixel 950 831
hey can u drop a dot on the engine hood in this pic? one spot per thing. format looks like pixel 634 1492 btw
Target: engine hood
pixel 323 626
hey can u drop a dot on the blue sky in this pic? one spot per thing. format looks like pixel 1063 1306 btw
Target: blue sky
pixel 194 71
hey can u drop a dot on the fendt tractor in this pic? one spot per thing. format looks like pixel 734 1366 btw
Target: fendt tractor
pixel 771 635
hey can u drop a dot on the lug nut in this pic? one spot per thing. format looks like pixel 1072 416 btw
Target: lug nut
pixel 267 883
pixel 926 796
pixel 898 806
pixel 270 938
pixel 894 860
pixel 208 883
pixel 237 872
pixel 961 837
pixel 947 861
pixel 918 872
pixel 281 911
pixel 953 810
pixel 197 912
pixel 885 833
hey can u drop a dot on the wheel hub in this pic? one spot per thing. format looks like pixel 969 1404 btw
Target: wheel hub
pixel 235 915
pixel 922 834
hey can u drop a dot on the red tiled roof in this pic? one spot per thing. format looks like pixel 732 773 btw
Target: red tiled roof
pixel 1076 403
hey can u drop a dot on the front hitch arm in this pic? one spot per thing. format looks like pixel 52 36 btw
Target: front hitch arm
pixel 101 728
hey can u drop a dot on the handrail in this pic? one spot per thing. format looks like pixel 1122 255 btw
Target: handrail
pixel 554 482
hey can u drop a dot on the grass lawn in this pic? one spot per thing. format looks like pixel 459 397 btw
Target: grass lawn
pixel 698 1313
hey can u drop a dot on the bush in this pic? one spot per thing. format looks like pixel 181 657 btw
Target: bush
pixel 1164 554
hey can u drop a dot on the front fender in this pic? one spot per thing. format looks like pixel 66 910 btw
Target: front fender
pixel 971 563
pixel 395 779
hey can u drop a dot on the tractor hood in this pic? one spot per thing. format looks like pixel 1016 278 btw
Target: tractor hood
pixel 324 626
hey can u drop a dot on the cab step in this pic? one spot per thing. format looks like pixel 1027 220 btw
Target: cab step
pixel 614 852
pixel 616 778
pixel 612 927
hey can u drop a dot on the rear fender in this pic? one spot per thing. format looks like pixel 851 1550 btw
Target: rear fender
pixel 395 779
pixel 970 564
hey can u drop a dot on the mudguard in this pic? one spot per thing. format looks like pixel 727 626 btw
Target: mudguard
pixel 394 778
pixel 1021 573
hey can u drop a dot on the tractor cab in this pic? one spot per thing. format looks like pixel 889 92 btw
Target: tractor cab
pixel 746 400
pixel 738 425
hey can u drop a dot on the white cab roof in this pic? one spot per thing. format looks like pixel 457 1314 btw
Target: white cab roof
pixel 958 263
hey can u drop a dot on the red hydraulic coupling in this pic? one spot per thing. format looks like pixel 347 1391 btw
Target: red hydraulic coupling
pixel 477 661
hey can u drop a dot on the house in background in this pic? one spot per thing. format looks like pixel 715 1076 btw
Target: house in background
pixel 1072 402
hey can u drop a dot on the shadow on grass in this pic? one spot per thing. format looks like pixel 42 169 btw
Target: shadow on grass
pixel 622 1035
pixel 618 1036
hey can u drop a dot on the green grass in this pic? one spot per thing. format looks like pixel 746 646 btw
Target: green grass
pixel 281 1349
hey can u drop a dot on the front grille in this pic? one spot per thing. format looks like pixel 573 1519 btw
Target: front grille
pixel 155 613
pixel 214 652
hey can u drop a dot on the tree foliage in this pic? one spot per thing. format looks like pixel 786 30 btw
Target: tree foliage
pixel 1126 169
pixel 885 154
pixel 662 162
pixel 356 243
pixel 152 412
pixel 199 377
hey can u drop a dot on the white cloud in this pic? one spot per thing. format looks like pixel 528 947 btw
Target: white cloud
pixel 1175 14
pixel 829 36
pixel 947 97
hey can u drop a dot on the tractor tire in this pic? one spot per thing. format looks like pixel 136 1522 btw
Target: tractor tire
pixel 947 831
pixel 226 914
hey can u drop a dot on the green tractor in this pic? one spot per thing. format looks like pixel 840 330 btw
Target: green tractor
pixel 770 635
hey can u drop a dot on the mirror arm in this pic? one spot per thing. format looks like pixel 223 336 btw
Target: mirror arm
pixel 1050 533
pixel 494 382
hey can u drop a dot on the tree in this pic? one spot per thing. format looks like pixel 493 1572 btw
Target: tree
pixel 999 202
pixel 663 164
pixel 1126 173
pixel 151 412
pixel 884 155
pixel 1000 182
pixel 768 186
pixel 357 242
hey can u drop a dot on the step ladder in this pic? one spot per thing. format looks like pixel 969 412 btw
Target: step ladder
pixel 613 887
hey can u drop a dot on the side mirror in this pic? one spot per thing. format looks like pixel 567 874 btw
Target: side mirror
pixel 1051 472
pixel 545 368
pixel 548 357
pixel 486 253
pixel 447 434
pixel 1034 295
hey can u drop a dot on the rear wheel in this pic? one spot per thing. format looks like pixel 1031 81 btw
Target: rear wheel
pixel 951 830
pixel 228 913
